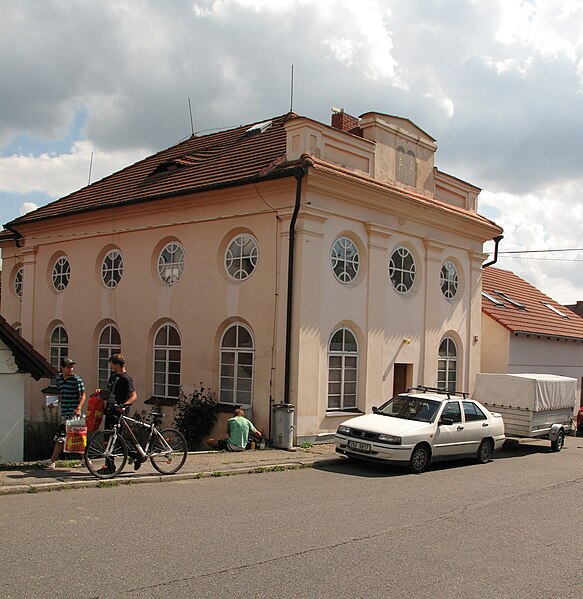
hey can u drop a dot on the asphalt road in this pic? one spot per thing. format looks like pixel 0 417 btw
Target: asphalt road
pixel 509 528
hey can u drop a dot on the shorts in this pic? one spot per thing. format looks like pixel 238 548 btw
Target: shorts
pixel 224 444
pixel 61 434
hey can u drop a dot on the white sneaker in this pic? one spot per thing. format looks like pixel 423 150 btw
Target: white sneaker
pixel 47 464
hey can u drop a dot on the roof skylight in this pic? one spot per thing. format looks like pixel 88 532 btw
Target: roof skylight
pixel 259 128
pixel 505 296
pixel 493 299
pixel 555 310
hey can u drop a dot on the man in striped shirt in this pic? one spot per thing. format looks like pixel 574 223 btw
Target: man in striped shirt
pixel 72 399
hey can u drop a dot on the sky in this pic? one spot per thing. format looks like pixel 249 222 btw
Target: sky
pixel 91 87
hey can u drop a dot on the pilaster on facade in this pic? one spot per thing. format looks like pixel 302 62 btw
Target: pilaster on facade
pixel 28 255
pixel 474 311
pixel 378 249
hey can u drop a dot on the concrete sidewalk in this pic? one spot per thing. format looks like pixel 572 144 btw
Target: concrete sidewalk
pixel 32 478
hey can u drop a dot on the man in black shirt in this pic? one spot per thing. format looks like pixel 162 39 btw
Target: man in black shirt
pixel 120 395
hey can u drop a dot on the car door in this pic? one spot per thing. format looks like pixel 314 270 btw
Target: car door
pixel 449 438
pixel 476 426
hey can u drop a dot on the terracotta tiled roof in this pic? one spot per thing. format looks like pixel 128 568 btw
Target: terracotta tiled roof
pixel 536 317
pixel 221 159
pixel 228 158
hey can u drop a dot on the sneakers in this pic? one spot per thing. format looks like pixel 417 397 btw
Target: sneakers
pixel 138 463
pixel 47 464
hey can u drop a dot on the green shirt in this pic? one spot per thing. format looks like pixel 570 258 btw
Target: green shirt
pixel 239 428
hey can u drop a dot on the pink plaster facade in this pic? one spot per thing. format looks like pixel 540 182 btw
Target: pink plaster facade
pixel 351 190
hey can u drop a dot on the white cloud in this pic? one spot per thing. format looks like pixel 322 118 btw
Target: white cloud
pixel 498 83
pixel 58 175
pixel 27 207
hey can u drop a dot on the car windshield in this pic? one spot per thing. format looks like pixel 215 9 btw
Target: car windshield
pixel 410 408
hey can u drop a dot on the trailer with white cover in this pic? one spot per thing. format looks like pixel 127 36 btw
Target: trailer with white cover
pixel 531 405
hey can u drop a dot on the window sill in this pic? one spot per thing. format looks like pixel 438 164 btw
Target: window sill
pixel 231 407
pixel 162 401
pixel 336 413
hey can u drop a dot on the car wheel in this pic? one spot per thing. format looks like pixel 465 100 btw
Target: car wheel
pixel 485 451
pixel 420 458
pixel 558 443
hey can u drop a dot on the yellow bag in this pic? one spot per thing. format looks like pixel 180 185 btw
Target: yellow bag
pixel 76 436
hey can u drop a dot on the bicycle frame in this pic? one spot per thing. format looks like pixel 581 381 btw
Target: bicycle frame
pixel 144 452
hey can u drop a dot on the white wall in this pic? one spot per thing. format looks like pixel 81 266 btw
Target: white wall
pixel 11 407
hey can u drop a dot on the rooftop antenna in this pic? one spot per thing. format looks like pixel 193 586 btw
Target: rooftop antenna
pixel 291 102
pixel 90 167
pixel 190 111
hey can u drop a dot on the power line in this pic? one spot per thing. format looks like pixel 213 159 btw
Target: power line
pixel 542 251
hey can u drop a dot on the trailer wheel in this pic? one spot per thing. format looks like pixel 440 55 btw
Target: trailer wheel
pixel 558 443
pixel 485 451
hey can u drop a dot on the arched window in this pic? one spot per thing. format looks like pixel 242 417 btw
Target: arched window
pixel 237 364
pixel 447 365
pixel 61 273
pixel 59 345
pixel 342 370
pixel 167 362
pixel 112 269
pixel 109 343
pixel 171 263
pixel 344 260
pixel 241 257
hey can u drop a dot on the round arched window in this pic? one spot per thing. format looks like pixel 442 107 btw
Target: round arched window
pixel 402 270
pixel 344 260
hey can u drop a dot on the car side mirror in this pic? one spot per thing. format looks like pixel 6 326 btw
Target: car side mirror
pixel 446 421
pixel 374 409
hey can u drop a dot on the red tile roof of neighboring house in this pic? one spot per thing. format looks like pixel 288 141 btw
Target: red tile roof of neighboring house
pixel 537 316
pixel 238 156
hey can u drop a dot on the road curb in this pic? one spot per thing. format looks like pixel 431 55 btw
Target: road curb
pixel 152 478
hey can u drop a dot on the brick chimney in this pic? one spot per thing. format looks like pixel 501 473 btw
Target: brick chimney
pixel 345 122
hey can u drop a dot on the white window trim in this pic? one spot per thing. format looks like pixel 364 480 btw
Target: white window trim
pixel 237 350
pixel 345 242
pixel 166 349
pixel 253 257
pixel 344 354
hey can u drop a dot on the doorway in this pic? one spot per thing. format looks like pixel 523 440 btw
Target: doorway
pixel 402 378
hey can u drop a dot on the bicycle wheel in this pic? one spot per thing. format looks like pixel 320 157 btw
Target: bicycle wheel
pixel 105 456
pixel 167 451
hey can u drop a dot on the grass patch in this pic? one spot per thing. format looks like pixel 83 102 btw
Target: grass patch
pixel 306 445
pixel 107 484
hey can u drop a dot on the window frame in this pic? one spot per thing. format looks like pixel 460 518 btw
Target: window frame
pixel 237 352
pixel 175 266
pixel 61 274
pixel 252 257
pixel 339 256
pixel 19 282
pixel 343 354
pixel 393 268
pixel 108 272
pixel 59 348
pixel 104 352
pixel 446 382
pixel 450 283
pixel 166 349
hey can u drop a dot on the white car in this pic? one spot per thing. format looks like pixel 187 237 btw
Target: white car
pixel 420 426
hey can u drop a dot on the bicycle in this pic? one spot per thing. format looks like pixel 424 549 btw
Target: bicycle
pixel 106 452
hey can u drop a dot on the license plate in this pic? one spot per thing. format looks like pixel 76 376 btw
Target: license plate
pixel 364 447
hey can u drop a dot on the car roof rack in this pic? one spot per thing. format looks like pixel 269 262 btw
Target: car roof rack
pixel 440 390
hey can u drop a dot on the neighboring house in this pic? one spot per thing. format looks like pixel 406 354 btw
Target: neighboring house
pixel 184 261
pixel 577 308
pixel 525 331
pixel 18 362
